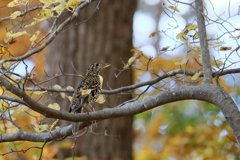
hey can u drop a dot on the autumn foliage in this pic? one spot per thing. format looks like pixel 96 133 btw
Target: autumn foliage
pixel 180 130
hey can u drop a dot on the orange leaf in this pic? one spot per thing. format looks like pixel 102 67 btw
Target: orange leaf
pixel 153 34
pixel 225 48
pixel 165 48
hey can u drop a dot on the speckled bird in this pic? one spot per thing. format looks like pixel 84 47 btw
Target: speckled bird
pixel 87 92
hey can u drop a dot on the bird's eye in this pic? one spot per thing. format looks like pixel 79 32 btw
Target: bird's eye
pixel 97 64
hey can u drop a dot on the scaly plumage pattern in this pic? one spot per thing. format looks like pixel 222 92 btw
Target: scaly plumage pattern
pixel 87 92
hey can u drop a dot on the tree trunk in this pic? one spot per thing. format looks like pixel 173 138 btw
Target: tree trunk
pixel 106 37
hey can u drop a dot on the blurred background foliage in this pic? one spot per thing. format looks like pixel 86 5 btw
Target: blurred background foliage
pixel 181 130
pixel 186 129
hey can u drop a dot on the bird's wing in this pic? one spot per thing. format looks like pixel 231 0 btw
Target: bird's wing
pixel 87 92
pixel 77 100
pixel 78 107
pixel 94 83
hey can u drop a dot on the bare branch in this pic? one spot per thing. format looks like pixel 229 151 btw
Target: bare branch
pixel 141 84
pixel 12 99
pixel 206 92
pixel 22 14
pixel 52 36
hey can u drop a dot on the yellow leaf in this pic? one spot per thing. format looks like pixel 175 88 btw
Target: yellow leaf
pixel 69 98
pixel 50 152
pixel 34 36
pixel 57 127
pixel 39 92
pixel 174 8
pixel 14 3
pixel 214 46
pixel 3 127
pixel 216 63
pixel 136 51
pixel 195 51
pixel 14 35
pixel 183 61
pixel 22 108
pixel 8 127
pixel 182 36
pixel 101 81
pixel 188 44
pixel 44 14
pixel 66 145
pixel 3 50
pixel 12 129
pixel 195 76
pixel 101 99
pixel 218 42
pixel 195 36
pixel 62 94
pixel 31 24
pixel 6 64
pixel 130 61
pixel 178 59
pixel 60 7
pixel 56 86
pixel 191 27
pixel 153 34
pixel 200 58
pixel 52 125
pixel 3 106
pixel 85 91
pixel 133 58
pixel 208 152
pixel 46 3
pixel 41 128
pixel 54 106
pixel 190 129
pixel 69 87
pixel 225 48
pixel 73 3
pixel 236 37
pixel 15 14
pixel 2 90
pixel 198 47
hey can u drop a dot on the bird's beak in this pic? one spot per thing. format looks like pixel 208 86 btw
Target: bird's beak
pixel 105 65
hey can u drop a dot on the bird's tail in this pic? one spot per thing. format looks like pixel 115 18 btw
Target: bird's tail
pixel 75 127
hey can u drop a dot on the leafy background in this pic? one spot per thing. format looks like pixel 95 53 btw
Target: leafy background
pixel 186 129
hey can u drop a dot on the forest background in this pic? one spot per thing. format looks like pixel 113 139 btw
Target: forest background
pixel 153 47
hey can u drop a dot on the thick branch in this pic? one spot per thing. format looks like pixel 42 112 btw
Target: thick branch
pixel 57 134
pixel 206 92
pixel 207 69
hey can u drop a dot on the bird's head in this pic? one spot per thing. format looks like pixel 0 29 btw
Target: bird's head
pixel 96 67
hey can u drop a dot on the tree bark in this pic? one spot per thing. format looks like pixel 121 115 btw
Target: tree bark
pixel 105 37
pixel 207 68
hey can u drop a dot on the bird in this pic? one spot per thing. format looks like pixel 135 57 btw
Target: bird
pixel 87 92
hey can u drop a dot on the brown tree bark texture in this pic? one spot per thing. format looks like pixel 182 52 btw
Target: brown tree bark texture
pixel 106 37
